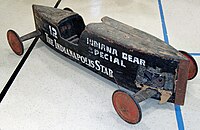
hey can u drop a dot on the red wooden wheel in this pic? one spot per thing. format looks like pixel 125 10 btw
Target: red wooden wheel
pixel 193 68
pixel 126 107
pixel 15 42
pixel 68 9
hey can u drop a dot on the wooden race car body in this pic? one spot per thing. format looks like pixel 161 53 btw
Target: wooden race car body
pixel 120 53
pixel 127 56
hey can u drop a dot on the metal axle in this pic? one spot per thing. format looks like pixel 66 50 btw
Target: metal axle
pixel 30 35
pixel 144 94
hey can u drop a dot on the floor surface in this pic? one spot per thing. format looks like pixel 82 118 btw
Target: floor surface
pixel 51 92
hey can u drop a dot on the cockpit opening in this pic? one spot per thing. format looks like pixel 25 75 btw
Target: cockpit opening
pixel 71 28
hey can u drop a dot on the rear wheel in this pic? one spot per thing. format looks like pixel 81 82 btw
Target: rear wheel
pixel 126 107
pixel 193 68
pixel 15 42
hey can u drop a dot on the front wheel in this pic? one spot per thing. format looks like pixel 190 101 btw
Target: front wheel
pixel 15 42
pixel 193 68
pixel 126 107
pixel 68 9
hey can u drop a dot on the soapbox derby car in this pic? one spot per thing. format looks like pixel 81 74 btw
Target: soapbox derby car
pixel 131 58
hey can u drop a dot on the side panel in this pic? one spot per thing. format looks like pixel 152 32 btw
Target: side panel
pixel 126 66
